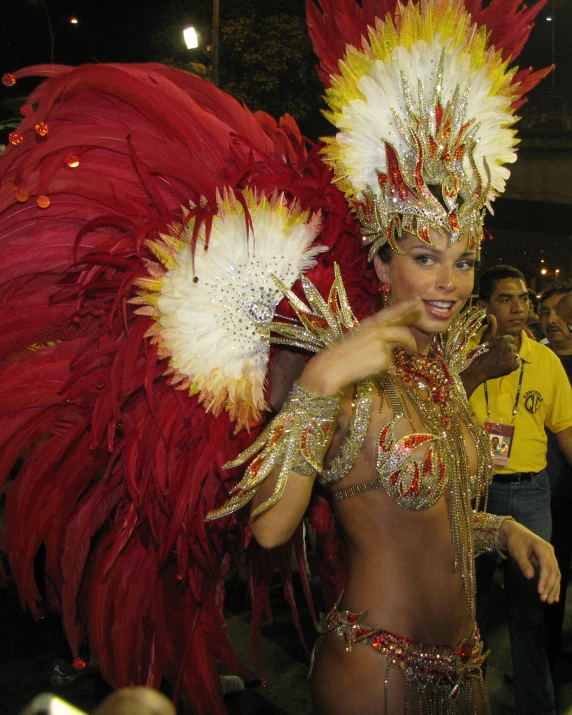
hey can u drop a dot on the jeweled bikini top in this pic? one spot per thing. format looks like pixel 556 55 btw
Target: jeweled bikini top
pixel 412 482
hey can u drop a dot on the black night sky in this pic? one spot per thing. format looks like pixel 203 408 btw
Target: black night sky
pixel 122 30
pixel 126 31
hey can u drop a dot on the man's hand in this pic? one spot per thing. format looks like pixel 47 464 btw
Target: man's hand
pixel 500 359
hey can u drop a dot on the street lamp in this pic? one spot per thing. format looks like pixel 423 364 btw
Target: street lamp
pixel 192 41
pixel 191 38
pixel 53 30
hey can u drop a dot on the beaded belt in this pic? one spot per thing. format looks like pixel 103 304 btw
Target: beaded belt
pixel 418 661
pixel 515 477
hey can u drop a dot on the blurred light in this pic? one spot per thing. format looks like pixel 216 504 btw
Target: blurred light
pixel 543 271
pixel 191 38
pixel 74 21
pixel 542 260
pixel 557 270
pixel 548 19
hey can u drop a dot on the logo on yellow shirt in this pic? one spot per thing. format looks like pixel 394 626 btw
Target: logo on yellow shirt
pixel 532 401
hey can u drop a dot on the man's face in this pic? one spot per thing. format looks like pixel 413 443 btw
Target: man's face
pixel 509 305
pixel 555 329
pixel 494 442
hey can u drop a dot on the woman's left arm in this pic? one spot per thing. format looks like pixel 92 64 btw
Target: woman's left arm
pixel 529 550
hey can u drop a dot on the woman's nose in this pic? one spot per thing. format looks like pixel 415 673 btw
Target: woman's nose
pixel 447 278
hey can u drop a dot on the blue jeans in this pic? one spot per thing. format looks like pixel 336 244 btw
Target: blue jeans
pixel 529 503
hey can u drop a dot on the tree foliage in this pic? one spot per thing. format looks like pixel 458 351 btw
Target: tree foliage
pixel 266 57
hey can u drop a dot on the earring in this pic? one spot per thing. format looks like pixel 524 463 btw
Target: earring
pixel 385 290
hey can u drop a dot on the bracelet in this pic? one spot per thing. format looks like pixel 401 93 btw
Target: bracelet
pixel 296 439
pixel 483 521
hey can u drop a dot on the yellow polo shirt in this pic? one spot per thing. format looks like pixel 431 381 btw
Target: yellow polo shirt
pixel 545 400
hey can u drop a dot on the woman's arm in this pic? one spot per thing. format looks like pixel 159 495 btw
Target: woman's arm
pixel 365 351
pixel 529 550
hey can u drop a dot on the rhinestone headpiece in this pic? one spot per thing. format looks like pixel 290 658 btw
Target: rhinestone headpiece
pixel 424 109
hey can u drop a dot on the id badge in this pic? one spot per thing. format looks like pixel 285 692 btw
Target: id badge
pixel 501 437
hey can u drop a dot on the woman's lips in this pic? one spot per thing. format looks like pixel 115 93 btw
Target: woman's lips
pixel 440 309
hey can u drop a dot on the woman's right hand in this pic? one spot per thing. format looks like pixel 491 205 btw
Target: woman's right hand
pixel 364 351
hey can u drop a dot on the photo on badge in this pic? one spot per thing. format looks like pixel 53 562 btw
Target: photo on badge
pixel 501 437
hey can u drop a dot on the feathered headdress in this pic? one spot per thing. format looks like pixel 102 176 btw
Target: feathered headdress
pixel 423 99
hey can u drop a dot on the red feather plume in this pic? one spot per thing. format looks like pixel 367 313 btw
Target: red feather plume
pixel 120 469
pixel 335 24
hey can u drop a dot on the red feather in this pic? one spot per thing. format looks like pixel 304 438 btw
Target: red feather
pixel 120 468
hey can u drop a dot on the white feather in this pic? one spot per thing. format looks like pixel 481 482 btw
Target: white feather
pixel 210 327
pixel 366 123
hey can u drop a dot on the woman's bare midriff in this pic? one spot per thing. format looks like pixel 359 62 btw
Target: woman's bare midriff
pixel 401 570
pixel 401 563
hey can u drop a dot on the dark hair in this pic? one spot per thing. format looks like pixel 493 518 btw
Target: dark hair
pixel 533 299
pixel 556 288
pixel 491 276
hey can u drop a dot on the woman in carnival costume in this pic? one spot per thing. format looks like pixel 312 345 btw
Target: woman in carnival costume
pixel 137 359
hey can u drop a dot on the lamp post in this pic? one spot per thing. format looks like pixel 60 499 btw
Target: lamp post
pixel 53 30
pixel 552 20
pixel 215 41
pixel 192 41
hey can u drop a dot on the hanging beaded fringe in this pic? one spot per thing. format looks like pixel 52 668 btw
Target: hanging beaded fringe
pixel 468 697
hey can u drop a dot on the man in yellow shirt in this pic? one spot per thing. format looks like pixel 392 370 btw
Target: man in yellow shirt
pixel 516 408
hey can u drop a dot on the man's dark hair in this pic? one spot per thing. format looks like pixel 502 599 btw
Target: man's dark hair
pixel 555 289
pixel 492 275
pixel 533 299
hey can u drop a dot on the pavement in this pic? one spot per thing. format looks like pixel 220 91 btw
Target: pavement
pixel 32 653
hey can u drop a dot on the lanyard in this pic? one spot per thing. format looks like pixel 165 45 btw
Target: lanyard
pixel 515 408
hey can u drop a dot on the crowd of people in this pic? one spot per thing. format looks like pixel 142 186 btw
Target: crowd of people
pixel 531 407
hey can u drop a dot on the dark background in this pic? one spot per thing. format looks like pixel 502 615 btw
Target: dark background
pixel 267 61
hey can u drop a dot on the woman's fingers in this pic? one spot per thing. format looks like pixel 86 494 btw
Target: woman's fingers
pixel 549 581
pixel 406 312
pixel 529 551
pixel 399 337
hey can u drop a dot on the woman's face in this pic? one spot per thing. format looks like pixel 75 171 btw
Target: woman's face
pixel 442 275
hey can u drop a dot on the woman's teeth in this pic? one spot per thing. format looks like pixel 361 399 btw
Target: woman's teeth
pixel 440 306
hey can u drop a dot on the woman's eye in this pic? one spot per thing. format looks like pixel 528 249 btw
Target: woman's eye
pixel 424 259
pixel 466 265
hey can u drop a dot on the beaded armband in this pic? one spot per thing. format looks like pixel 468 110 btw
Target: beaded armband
pixel 296 440
pixel 490 524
